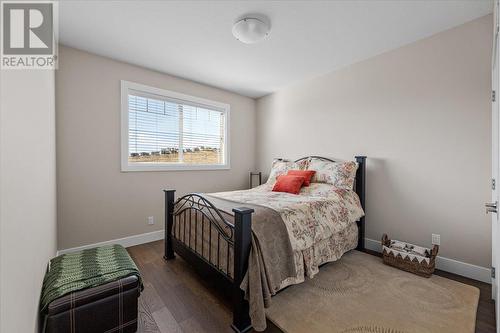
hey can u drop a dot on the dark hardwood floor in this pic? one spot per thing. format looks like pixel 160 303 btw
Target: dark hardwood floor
pixel 176 300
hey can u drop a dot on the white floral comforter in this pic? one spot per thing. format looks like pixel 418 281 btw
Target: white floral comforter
pixel 320 222
pixel 317 213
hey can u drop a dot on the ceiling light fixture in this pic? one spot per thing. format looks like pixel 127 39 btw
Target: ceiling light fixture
pixel 250 30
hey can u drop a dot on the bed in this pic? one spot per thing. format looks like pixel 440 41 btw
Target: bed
pixel 253 243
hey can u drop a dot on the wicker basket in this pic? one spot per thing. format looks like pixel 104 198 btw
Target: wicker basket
pixel 422 265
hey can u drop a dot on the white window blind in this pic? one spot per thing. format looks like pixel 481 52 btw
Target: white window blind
pixel 166 131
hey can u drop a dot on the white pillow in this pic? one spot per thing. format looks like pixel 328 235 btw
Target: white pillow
pixel 338 174
pixel 281 167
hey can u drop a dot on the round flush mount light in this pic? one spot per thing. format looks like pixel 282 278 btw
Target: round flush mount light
pixel 250 30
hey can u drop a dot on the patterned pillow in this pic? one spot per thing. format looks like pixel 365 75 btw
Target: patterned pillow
pixel 281 167
pixel 338 174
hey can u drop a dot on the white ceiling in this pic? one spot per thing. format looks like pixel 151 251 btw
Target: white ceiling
pixel 193 40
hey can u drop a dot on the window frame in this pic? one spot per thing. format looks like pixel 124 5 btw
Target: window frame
pixel 126 166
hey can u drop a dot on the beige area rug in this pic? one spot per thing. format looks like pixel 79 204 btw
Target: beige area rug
pixel 359 293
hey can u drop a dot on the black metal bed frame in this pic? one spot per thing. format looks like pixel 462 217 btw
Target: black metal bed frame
pixel 236 236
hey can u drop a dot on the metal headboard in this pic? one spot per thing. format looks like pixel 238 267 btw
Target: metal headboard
pixel 306 158
pixel 316 157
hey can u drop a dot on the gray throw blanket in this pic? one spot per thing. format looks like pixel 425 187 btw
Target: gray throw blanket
pixel 271 259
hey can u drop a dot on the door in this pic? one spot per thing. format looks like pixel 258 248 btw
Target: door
pixel 492 207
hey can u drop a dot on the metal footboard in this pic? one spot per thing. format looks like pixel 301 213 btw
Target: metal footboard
pixel 215 246
pixel 206 231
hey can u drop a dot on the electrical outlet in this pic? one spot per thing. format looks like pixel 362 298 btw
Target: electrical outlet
pixel 436 239
pixel 151 220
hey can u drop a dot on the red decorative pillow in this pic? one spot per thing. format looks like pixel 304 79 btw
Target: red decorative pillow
pixel 289 184
pixel 307 174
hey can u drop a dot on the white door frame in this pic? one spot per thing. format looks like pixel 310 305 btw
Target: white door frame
pixel 495 236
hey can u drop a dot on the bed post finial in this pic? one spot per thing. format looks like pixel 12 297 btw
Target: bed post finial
pixel 360 191
pixel 241 251
pixel 169 223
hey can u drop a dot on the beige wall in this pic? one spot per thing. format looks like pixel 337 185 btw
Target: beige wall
pixel 422 115
pixel 27 193
pixel 97 202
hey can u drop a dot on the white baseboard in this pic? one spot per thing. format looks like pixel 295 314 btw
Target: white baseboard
pixel 449 265
pixel 445 264
pixel 125 242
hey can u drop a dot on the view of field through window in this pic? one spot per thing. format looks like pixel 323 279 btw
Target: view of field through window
pixel 163 131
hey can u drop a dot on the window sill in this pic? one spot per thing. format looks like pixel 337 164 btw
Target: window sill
pixel 173 167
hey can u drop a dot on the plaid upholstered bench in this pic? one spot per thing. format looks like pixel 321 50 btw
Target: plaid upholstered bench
pixel 92 291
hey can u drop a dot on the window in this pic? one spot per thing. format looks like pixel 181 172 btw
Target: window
pixel 165 130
